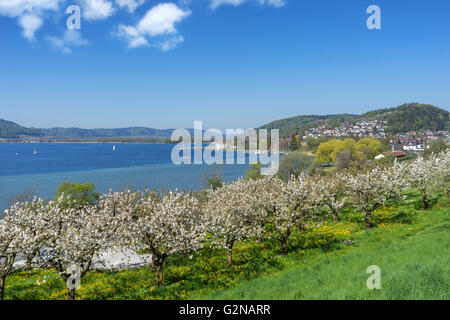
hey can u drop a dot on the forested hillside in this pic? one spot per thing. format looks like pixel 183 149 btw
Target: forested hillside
pixel 10 129
pixel 412 117
pixel 404 118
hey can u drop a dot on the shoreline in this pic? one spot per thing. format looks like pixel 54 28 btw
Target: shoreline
pixel 87 142
pixel 142 142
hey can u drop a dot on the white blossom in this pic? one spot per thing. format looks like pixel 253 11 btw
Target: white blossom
pixel 371 189
pixel 233 213
pixel 165 224
pixel 429 174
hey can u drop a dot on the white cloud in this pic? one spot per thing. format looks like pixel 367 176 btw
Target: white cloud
pixel 28 12
pixel 96 9
pixel 274 3
pixel 16 8
pixel 170 44
pixel 218 3
pixel 132 36
pixel 70 39
pixel 30 23
pixel 158 21
pixel 130 4
pixel 161 19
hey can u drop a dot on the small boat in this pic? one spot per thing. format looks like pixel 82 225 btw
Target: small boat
pixel 17 154
pixel 114 147
pixel 35 152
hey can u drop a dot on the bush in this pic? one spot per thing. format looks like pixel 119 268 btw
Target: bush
pixel 294 164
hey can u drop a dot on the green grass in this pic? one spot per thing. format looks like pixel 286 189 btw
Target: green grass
pixel 414 262
pixel 410 246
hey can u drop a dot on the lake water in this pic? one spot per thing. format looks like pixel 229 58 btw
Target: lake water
pixel 136 165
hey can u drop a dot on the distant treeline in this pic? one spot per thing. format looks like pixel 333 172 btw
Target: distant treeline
pixel 11 130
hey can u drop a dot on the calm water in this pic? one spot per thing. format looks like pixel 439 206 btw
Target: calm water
pixel 137 165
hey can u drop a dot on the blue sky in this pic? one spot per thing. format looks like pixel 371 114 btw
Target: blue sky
pixel 230 63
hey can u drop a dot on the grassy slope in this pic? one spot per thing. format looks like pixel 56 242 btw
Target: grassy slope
pixel 414 261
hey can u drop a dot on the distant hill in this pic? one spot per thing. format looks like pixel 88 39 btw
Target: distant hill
pixel 133 132
pixel 412 117
pixel 404 118
pixel 12 130
pixel 298 124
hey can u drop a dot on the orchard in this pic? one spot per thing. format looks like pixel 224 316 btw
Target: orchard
pixel 67 236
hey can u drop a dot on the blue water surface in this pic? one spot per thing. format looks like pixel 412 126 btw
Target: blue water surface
pixel 136 165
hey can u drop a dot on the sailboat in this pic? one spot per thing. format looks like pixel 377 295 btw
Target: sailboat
pixel 35 152
pixel 114 147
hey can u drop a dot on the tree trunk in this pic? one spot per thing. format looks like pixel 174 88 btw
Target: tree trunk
pixel 367 220
pixel 28 265
pixel 160 275
pixel 70 287
pixel 158 264
pixel 284 246
pixel 70 294
pixel 426 204
pixel 335 216
pixel 2 287
pixel 284 241
pixel 230 254
pixel 230 258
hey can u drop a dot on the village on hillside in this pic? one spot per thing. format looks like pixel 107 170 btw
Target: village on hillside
pixel 415 141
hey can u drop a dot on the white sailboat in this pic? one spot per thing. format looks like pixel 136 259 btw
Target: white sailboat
pixel 114 147
pixel 35 152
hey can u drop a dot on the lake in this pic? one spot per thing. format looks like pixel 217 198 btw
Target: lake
pixel 136 165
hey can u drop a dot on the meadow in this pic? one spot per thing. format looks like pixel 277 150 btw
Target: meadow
pixel 328 260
